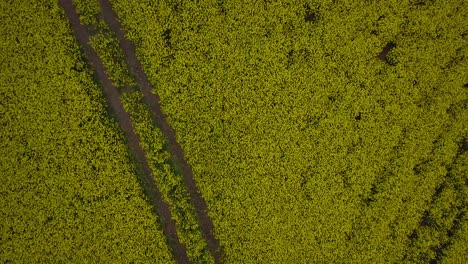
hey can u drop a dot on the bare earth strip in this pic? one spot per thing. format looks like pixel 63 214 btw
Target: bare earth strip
pixel 177 155
pixel 112 95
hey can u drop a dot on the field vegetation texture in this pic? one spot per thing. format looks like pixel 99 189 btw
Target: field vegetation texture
pixel 68 186
pixel 165 170
pixel 318 131
pixel 331 131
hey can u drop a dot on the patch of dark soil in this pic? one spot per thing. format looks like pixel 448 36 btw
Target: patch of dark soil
pixel 427 220
pixel 221 8
pixel 310 15
pixel 290 57
pixel 167 37
pixel 358 117
pixel 464 145
pixel 177 154
pixel 113 99
pixel 422 2
pixel 383 54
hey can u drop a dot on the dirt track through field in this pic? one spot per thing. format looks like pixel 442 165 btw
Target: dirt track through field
pixel 175 149
pixel 112 95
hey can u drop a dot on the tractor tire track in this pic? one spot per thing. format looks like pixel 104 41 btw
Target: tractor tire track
pixel 177 154
pixel 159 206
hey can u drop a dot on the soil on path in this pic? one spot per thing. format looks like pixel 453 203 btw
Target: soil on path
pixel 383 54
pixel 160 207
pixel 177 155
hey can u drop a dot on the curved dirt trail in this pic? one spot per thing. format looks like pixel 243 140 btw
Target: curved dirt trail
pixel 177 154
pixel 160 207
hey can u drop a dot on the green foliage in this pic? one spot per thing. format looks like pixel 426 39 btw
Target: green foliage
pixel 171 184
pixel 306 146
pixel 168 180
pixel 88 10
pixel 107 47
pixel 68 189
pixel 105 44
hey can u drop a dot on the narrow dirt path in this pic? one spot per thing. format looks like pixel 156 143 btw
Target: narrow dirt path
pixel 176 151
pixel 112 95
